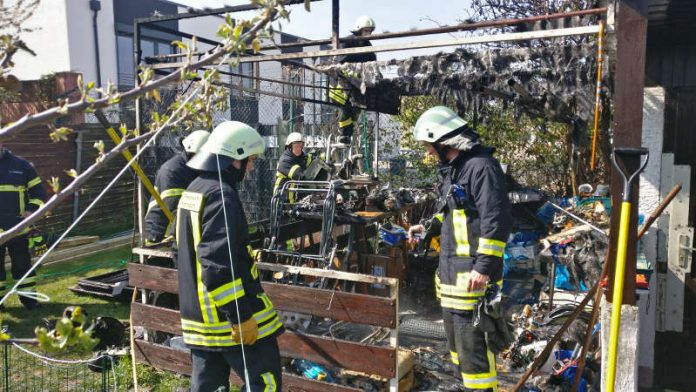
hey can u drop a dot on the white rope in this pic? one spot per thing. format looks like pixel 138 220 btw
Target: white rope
pixel 229 252
pixel 112 183
pixel 53 361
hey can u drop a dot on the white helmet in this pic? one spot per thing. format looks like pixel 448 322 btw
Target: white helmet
pixel 435 123
pixel 294 137
pixel 363 22
pixel 193 142
pixel 230 140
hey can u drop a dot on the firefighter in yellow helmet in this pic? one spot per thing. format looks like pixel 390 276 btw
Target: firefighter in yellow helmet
pixel 473 223
pixel 227 320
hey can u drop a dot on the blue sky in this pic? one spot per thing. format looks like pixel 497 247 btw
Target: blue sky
pixel 389 15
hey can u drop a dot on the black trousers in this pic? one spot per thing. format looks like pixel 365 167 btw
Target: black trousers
pixel 469 352
pixel 18 248
pixel 211 369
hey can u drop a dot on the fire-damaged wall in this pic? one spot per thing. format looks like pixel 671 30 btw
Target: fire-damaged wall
pixel 555 82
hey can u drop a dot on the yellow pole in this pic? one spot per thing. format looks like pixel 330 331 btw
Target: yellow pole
pixel 617 297
pixel 600 37
pixel 146 181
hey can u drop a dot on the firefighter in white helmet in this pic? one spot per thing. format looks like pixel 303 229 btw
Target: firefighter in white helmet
pixel 473 221
pixel 340 91
pixel 292 163
pixel 171 180
pixel 227 320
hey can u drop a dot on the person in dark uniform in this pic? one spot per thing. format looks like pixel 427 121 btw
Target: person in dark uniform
pixel 171 181
pixel 339 91
pixel 292 163
pixel 21 193
pixel 474 222
pixel 227 320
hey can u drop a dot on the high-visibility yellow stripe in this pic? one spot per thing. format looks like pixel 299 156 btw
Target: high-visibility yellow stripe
pixel 204 299
pixel 228 292
pixel 455 291
pixel 439 217
pixel 488 246
pixel 173 192
pixel 216 341
pixel 36 181
pixel 483 380
pixel 455 357
pixel 461 236
pixel 269 381
pixel 458 304
pixel 345 123
pixel 191 201
pixel 12 188
pixel 293 170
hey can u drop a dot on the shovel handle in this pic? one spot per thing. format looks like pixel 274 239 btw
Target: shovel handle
pixel 621 152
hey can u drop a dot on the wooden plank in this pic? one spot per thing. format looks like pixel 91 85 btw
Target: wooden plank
pixel 339 353
pixel 332 274
pixel 629 41
pixel 334 352
pixel 354 308
pixel 153 278
pixel 177 361
pixel 157 318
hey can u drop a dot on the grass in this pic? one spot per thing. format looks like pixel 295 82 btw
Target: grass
pixel 55 282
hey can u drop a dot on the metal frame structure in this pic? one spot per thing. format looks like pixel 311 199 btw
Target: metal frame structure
pixel 627 114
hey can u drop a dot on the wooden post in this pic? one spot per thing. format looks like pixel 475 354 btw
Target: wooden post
pixel 334 24
pixel 629 41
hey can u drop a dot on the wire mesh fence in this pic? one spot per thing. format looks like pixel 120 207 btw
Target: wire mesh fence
pixel 276 100
pixel 24 369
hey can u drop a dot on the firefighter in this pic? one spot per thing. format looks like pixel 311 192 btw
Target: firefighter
pixel 172 179
pixel 21 193
pixel 227 320
pixel 292 163
pixel 339 91
pixel 473 223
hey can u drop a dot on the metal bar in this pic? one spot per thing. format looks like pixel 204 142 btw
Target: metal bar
pixel 209 12
pixel 442 30
pixel 577 218
pixel 629 43
pixel 529 35
pixel 183 34
pixel 335 17
pixel 505 37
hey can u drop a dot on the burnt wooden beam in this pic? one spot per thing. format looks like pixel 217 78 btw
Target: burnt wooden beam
pixel 334 352
pixel 629 72
pixel 336 305
pixel 177 361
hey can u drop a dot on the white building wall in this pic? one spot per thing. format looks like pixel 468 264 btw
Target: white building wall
pixel 48 40
pixel 652 138
pixel 81 37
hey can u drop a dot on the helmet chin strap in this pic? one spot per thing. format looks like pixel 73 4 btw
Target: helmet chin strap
pixel 441 152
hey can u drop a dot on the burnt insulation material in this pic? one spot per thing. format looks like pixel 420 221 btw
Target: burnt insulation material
pixel 556 83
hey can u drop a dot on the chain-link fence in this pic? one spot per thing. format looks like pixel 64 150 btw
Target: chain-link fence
pixel 276 100
pixel 24 369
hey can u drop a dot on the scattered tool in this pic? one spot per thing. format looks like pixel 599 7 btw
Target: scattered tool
pixel 622 246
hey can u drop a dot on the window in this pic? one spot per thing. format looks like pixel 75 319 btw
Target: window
pixel 126 69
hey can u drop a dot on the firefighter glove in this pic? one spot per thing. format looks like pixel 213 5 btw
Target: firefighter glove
pixel 247 330
pixel 37 242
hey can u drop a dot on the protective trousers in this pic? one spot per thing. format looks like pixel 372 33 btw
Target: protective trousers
pixel 211 369
pixel 467 345
pixel 21 263
pixel 347 112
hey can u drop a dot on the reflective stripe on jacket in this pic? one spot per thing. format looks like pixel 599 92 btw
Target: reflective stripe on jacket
pixel 210 300
pixel 171 182
pixel 21 189
pixel 290 167
pixel 474 225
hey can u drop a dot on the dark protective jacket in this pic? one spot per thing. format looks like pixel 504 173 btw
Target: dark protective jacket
pixel 20 189
pixel 474 225
pixel 171 181
pixel 209 298
pixel 290 167
pixel 357 57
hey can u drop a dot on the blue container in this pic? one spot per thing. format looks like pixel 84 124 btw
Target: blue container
pixel 311 370
pixel 569 373
pixel 392 235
